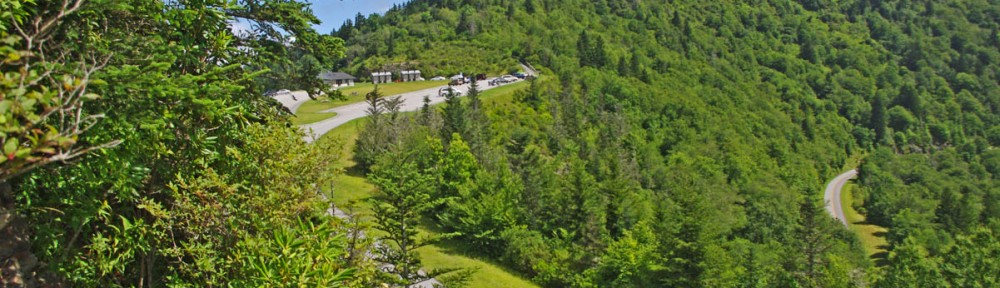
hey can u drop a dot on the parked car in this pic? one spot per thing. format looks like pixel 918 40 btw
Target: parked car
pixel 520 75
pixel 438 78
pixel 444 91
pixel 507 78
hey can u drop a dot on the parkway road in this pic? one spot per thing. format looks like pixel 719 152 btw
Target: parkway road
pixel 832 195
pixel 412 101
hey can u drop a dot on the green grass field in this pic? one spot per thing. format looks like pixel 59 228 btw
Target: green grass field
pixel 309 118
pixel 487 274
pixel 357 92
pixel 871 235
pixel 351 189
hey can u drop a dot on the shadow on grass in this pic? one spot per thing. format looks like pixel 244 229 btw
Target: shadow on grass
pixel 459 247
pixel 881 234
pixel 881 258
pixel 355 171
pixel 864 222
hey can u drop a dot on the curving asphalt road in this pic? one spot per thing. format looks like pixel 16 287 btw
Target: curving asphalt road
pixel 832 196
pixel 292 100
pixel 412 101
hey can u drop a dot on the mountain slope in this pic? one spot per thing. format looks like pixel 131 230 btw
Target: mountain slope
pixel 683 143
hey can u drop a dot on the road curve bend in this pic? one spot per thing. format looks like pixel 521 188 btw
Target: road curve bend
pixel 832 196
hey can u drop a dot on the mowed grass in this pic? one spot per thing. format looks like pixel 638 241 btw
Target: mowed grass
pixel 351 189
pixel 872 236
pixel 503 94
pixel 486 275
pixel 348 188
pixel 357 92
pixel 310 117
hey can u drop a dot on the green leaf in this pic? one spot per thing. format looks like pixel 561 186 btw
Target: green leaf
pixel 10 146
pixel 23 152
pixel 5 106
pixel 126 225
pixel 66 141
pixel 28 104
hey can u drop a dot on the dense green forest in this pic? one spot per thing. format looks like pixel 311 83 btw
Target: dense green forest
pixel 686 143
pixel 665 143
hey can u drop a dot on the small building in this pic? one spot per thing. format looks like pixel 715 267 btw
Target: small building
pixel 337 79
pixel 410 75
pixel 381 77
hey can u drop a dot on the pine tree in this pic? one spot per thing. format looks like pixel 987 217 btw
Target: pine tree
pixel 529 6
pixel 454 116
pixel 425 110
pixel 583 49
pixel 402 194
pixel 623 67
pixel 879 119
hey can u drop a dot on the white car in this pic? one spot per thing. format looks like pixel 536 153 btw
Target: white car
pixel 438 78
pixel 444 91
pixel 507 78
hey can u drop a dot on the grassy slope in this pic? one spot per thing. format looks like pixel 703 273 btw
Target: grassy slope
pixel 310 111
pixel 302 118
pixel 352 189
pixel 872 236
pixel 357 92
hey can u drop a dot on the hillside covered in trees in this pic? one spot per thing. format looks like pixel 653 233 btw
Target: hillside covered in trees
pixel 664 143
pixel 686 143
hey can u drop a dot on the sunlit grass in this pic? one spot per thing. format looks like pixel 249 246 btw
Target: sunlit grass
pixel 308 118
pixel 486 275
pixel 871 235
pixel 357 92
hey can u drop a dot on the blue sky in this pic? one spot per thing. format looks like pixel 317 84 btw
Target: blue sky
pixel 334 12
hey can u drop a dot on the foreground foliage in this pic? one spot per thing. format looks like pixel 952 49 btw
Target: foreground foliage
pixel 209 186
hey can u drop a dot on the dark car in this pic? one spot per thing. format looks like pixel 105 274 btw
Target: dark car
pixel 520 75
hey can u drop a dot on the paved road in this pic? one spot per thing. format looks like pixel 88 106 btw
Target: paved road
pixel 528 69
pixel 292 100
pixel 412 101
pixel 832 196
